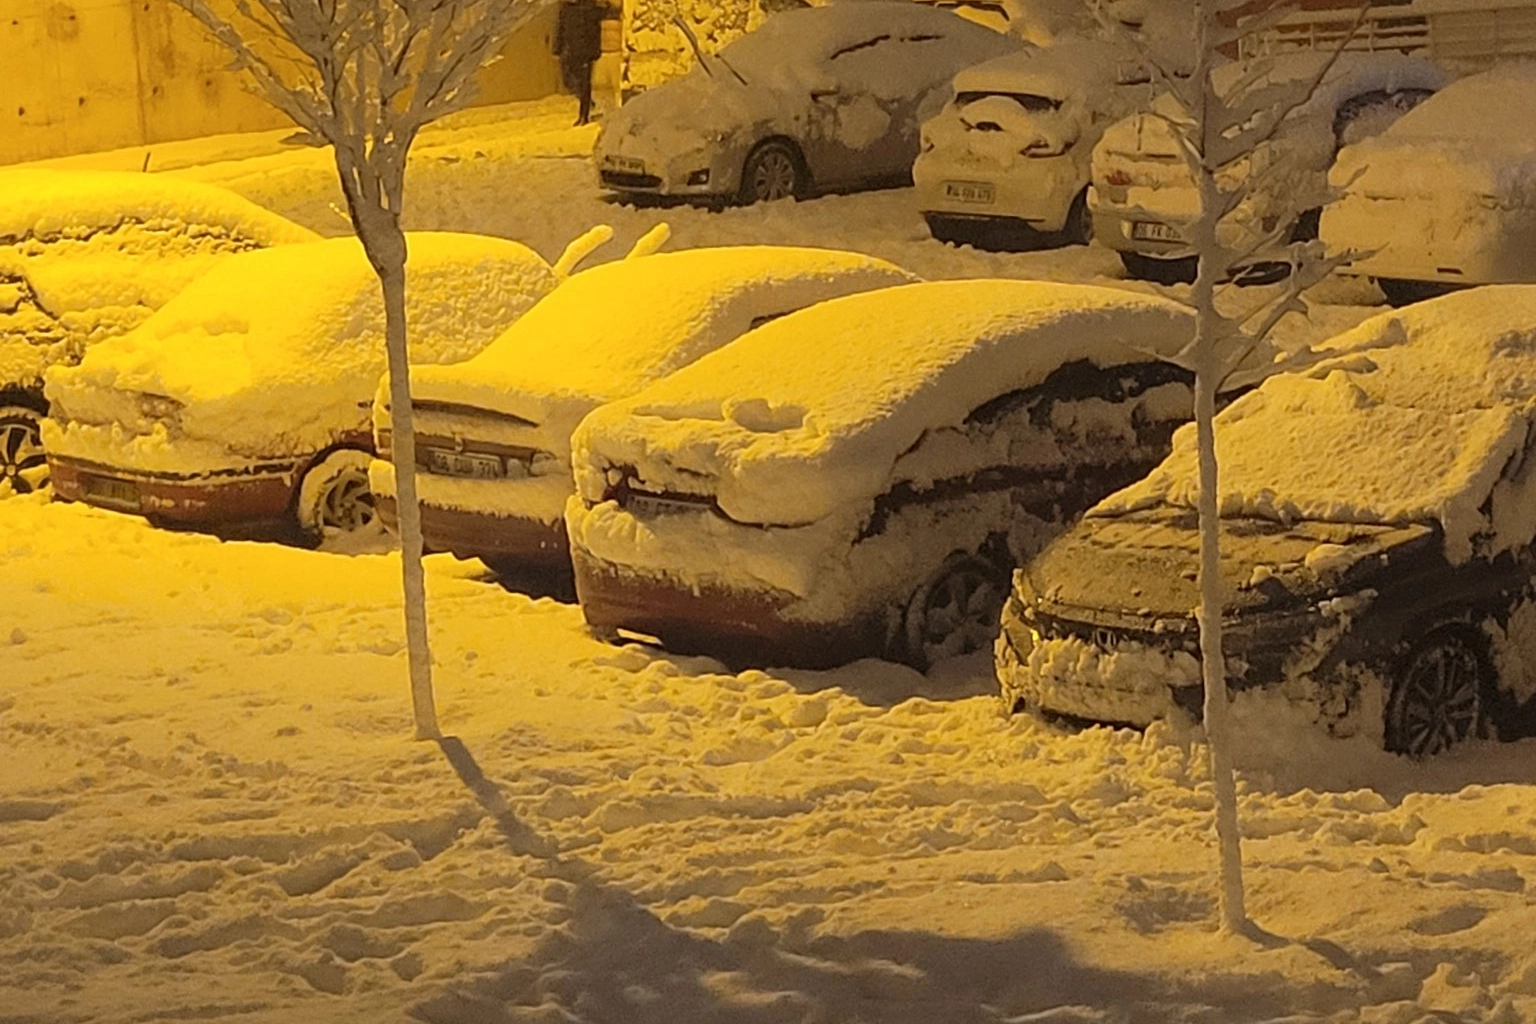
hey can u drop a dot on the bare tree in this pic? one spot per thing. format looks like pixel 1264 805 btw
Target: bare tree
pixel 1218 132
pixel 364 77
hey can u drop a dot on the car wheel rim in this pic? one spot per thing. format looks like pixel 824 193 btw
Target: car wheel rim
pixel 23 466
pixel 1440 700
pixel 773 176
pixel 347 503
pixel 960 615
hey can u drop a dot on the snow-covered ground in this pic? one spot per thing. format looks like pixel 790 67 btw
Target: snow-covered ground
pixel 210 807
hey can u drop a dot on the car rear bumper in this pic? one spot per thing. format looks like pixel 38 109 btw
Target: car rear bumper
pixel 737 626
pixel 501 539
pixel 1037 193
pixel 259 493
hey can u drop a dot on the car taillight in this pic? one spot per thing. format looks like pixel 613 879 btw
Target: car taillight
pixel 1117 177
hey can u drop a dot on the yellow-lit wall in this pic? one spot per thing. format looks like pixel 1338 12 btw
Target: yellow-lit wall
pixel 88 75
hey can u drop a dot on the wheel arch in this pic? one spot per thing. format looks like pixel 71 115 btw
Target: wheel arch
pixel 807 172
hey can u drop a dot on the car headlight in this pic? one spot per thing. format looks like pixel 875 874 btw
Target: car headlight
pixel 160 408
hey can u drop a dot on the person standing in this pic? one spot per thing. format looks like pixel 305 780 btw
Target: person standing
pixel 578 44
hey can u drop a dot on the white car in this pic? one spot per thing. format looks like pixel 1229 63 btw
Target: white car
pixel 493 433
pixel 1143 199
pixel 245 400
pixel 1447 195
pixel 1005 164
pixel 857 478
pixel 87 255
pixel 818 98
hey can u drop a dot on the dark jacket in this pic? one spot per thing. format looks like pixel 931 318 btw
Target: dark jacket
pixel 578 33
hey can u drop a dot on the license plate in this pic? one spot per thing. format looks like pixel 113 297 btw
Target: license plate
pixel 623 164
pixel 106 490
pixel 1155 231
pixel 970 191
pixel 652 505
pixel 481 467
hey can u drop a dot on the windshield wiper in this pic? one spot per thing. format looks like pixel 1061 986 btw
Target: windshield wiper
pixel 698 51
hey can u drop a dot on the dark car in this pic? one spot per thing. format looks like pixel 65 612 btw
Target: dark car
pixel 1377 521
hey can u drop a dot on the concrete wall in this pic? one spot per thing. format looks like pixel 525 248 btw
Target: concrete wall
pixel 89 75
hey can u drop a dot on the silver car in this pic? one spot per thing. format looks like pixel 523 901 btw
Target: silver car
pixel 820 98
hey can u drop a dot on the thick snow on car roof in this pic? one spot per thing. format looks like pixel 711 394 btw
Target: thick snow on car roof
pixel 1350 74
pixel 607 331
pixel 790 41
pixel 47 204
pixel 1418 422
pixel 1071 69
pixel 1478 106
pixel 821 403
pixel 308 312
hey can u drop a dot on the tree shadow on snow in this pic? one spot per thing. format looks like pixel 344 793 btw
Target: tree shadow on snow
pixel 614 961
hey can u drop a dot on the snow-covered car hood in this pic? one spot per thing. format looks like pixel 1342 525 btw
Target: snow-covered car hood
pixel 1420 420
pixel 277 349
pixel 684 114
pixel 788 425
pixel 1143 564
pixel 606 332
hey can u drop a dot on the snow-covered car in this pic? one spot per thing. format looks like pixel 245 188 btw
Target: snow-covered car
pixel 858 477
pixel 493 434
pixel 1143 200
pixel 86 255
pixel 1444 197
pixel 1377 558
pixel 244 401
pixel 816 98
pixel 1005 164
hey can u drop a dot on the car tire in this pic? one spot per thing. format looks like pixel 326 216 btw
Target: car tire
pixel 955 611
pixel 773 170
pixel 1403 292
pixel 1077 229
pixel 1440 695
pixel 1160 271
pixel 334 497
pixel 23 466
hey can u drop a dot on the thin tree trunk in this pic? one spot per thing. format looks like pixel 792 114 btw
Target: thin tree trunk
pixel 1234 916
pixel 403 455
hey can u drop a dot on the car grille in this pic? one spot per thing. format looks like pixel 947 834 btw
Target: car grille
pixel 621 179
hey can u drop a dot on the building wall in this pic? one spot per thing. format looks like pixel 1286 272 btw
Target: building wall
pixel 105 74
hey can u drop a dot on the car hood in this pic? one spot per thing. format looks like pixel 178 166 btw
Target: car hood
pixel 683 114
pixel 1142 565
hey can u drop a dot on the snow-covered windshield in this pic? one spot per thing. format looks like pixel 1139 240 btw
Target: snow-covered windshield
pixel 1418 423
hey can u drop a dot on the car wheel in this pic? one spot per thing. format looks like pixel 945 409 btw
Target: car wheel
pixel 955 612
pixel 1438 697
pixel 1160 271
pixel 1401 292
pixel 772 171
pixel 1078 227
pixel 334 496
pixel 23 467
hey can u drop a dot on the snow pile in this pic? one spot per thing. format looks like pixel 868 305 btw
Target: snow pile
pixel 85 255
pixel 277 352
pixel 1424 428
pixel 785 427
pixel 1459 187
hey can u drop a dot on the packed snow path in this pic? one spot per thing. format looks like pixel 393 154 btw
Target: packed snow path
pixel 210 808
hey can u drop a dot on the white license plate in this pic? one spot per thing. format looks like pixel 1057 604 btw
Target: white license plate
pixel 1155 231
pixel 652 505
pixel 481 467
pixel 970 191
pixel 623 164
pixel 111 491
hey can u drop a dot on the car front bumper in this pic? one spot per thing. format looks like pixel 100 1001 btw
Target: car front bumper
pixel 696 174
pixel 252 494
